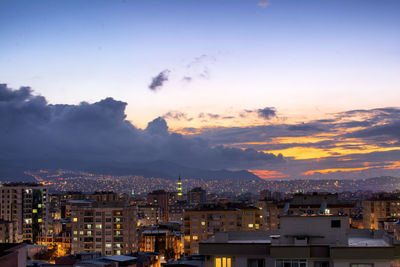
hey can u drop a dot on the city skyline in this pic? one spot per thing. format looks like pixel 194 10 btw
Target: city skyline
pixel 283 89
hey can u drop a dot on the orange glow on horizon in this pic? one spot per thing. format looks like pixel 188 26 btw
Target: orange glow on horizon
pixel 265 174
pixel 325 171
pixel 391 165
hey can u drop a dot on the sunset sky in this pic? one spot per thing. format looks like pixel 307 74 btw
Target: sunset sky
pixel 317 82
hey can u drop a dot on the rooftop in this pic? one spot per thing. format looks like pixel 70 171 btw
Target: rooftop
pixel 367 242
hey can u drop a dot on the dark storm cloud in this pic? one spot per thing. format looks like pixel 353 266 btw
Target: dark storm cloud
pixel 177 115
pixel 158 81
pixel 379 124
pixel 267 112
pixel 304 127
pixel 95 134
pixel 387 130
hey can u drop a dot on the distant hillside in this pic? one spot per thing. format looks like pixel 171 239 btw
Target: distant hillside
pixel 160 169
pixel 169 170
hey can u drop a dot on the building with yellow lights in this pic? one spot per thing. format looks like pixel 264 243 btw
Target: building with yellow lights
pixel 203 221
pixel 105 227
pixel 379 209
pixel 27 205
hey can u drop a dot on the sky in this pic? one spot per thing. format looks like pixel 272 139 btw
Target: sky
pixel 310 89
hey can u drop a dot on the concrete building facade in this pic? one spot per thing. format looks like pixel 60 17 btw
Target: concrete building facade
pixel 303 241
pixel 108 228
pixel 26 204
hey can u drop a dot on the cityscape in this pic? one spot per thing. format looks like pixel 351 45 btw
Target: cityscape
pixel 200 133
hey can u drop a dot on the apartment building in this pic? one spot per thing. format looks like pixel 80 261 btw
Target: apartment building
pixel 105 227
pixel 203 221
pixel 166 239
pixel 148 214
pixel 9 232
pixel 316 203
pixel 303 204
pixel 162 199
pixel 27 205
pixel 379 209
pixel 269 214
pixel 197 195
pixel 303 241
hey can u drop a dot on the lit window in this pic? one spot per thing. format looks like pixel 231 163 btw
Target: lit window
pixel 108 245
pixel 34 211
pixel 223 262
pixel 195 237
pixel 251 225
pixel 89 232
pixel 75 232
pixel 98 226
pixel 39 206
pixel 203 223
pixel 75 219
pixel 75 239
pixel 40 220
pixel 81 232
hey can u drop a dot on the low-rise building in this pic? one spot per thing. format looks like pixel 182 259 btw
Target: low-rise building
pixel 166 239
pixel 13 255
pixel 303 241
pixel 380 208
pixel 203 221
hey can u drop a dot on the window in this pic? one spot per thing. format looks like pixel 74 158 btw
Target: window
pixel 75 219
pixel 223 262
pixel 291 263
pixel 335 224
pixel 255 263
pixel 361 265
